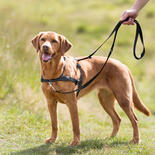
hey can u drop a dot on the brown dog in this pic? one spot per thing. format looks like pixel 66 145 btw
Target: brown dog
pixel 114 82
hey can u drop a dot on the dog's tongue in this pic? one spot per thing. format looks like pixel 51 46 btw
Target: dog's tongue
pixel 46 57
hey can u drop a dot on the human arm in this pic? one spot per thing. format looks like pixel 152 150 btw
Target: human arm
pixel 133 12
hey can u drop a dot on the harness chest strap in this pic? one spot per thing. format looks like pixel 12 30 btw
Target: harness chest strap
pixel 62 77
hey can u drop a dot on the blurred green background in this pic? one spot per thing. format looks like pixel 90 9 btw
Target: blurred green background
pixel 24 119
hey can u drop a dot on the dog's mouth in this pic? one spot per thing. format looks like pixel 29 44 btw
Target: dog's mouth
pixel 47 57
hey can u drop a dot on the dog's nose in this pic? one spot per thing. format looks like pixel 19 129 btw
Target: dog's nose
pixel 45 48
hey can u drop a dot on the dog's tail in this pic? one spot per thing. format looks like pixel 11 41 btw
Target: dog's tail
pixel 136 100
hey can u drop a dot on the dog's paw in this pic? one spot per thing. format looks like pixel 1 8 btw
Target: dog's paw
pixel 135 141
pixel 50 140
pixel 75 143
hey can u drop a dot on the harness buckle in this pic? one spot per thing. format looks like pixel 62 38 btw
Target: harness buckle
pixel 51 85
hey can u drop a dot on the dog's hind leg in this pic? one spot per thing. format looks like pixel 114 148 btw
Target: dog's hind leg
pixel 126 105
pixel 123 94
pixel 107 99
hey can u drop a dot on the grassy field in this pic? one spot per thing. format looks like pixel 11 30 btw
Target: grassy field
pixel 24 118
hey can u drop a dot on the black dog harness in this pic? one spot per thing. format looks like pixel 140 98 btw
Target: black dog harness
pixel 79 82
pixel 62 77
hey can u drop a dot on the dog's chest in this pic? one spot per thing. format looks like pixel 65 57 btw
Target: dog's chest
pixel 50 93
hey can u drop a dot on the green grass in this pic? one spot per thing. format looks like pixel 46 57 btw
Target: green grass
pixel 24 118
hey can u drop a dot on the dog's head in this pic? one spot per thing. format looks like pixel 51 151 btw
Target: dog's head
pixel 50 44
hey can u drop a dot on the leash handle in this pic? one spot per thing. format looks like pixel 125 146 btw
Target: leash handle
pixel 138 33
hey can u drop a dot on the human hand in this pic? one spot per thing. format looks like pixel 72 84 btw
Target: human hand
pixel 132 14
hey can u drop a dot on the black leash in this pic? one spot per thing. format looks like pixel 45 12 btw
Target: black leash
pixel 79 82
pixel 115 30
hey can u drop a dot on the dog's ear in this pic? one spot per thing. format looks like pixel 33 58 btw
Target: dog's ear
pixel 35 41
pixel 65 45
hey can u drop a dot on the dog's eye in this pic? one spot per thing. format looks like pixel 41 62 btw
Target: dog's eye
pixel 54 41
pixel 42 39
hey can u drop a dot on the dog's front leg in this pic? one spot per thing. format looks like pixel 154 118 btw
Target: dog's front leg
pixel 52 107
pixel 73 109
